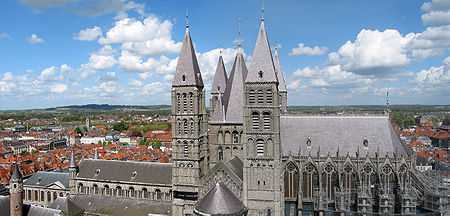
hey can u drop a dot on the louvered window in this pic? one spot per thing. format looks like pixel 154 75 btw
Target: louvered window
pixel 269 96
pixel 178 102
pixel 260 147
pixel 185 127
pixel 186 149
pixel 267 121
pixel 184 102
pixel 255 120
pixel 252 97
pixel 191 101
pixel 260 97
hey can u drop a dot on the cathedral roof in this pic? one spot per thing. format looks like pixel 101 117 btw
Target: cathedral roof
pixel 262 60
pixel 234 98
pixel 346 134
pixel 280 75
pixel 130 171
pixel 220 78
pixel 220 201
pixel 187 71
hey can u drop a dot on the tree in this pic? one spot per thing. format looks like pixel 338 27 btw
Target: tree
pixel 120 126
pixel 156 144
pixel 78 130
pixel 144 141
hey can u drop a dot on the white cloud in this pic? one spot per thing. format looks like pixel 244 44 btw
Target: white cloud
pixel 4 35
pixel 435 76
pixel 373 52
pixel 305 72
pixel 35 39
pixel 58 88
pixel 150 36
pixel 301 49
pixel 89 34
pixel 436 13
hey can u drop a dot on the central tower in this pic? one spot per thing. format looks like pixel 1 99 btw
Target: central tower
pixel 188 129
pixel 262 165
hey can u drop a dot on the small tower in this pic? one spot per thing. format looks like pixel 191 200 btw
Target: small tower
pixel 217 92
pixel 282 83
pixel 16 191
pixel 73 173
pixel 88 123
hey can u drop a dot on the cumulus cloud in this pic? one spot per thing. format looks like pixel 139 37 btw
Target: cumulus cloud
pixel 150 36
pixel 43 4
pixel 435 77
pixel 89 34
pixel 301 49
pixel 35 39
pixel 436 12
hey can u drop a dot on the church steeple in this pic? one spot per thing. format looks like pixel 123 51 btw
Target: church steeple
pixel 281 82
pixel 262 68
pixel 217 92
pixel 187 71
pixel 235 87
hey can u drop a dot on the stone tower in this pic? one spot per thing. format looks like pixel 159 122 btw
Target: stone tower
pixel 72 173
pixel 281 83
pixel 262 166
pixel 189 123
pixel 16 191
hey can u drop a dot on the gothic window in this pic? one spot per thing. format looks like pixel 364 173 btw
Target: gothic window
pixel 184 102
pixel 235 137
pixel 106 188
pixel 260 97
pixel 329 180
pixel 178 102
pixel 311 181
pixel 220 152
pixel 191 101
pixel 183 78
pixel 255 120
pixel 260 147
pixel 267 121
pixel 180 127
pixel 192 126
pixel 185 127
pixel 269 96
pixel 291 181
pixel 386 177
pixel 251 97
pixel 220 137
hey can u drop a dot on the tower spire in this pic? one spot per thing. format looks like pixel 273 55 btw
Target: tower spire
pixel 388 109
pixel 186 20
pixel 262 10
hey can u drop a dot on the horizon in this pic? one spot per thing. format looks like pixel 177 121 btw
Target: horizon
pixel 124 53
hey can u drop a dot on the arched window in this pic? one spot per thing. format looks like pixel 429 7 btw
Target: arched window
pixel 185 126
pixel 132 192
pixel 36 196
pixel 220 138
pixel 106 188
pixel 80 188
pixel 267 121
pixel 178 102
pixel 55 195
pixel 260 97
pixel 145 193
pixel 191 125
pixel 291 178
pixel 95 188
pixel 252 97
pixel 186 149
pixel 191 101
pixel 49 196
pixel 184 102
pixel 269 96
pixel 236 137
pixel 255 120
pixel 179 126
pixel 158 194
pixel 220 153
pixel 119 191
pixel 260 147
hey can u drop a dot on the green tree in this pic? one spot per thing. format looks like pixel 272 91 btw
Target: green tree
pixel 156 144
pixel 78 130
pixel 120 126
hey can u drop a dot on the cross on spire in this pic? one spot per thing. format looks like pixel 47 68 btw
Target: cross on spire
pixel 186 20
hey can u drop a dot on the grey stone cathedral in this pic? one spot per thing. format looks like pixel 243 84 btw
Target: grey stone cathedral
pixel 248 156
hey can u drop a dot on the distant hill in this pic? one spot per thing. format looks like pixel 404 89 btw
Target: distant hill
pixel 110 107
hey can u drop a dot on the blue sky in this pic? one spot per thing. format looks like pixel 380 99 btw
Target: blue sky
pixel 61 52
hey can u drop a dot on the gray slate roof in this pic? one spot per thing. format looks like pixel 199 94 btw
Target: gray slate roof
pixel 220 78
pixel 346 133
pixel 187 65
pixel 262 60
pixel 111 170
pixel 27 210
pixel 234 94
pixel 114 206
pixel 67 206
pixel 280 75
pixel 16 175
pixel 42 178
pixel 220 201
pixel 237 166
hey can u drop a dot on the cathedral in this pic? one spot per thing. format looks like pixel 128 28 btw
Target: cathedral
pixel 272 162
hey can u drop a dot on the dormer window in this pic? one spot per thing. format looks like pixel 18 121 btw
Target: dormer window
pixel 183 78
pixel 260 74
pixel 365 142
pixel 133 175
pixel 97 172
pixel 308 142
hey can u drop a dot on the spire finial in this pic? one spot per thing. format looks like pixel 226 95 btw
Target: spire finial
pixel 387 100
pixel 238 41
pixel 262 10
pixel 187 20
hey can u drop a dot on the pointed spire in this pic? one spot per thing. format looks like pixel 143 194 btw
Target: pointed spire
pixel 262 68
pixel 234 102
pixel 187 71
pixel 186 20
pixel 220 77
pixel 262 10
pixel 16 174
pixel 280 76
